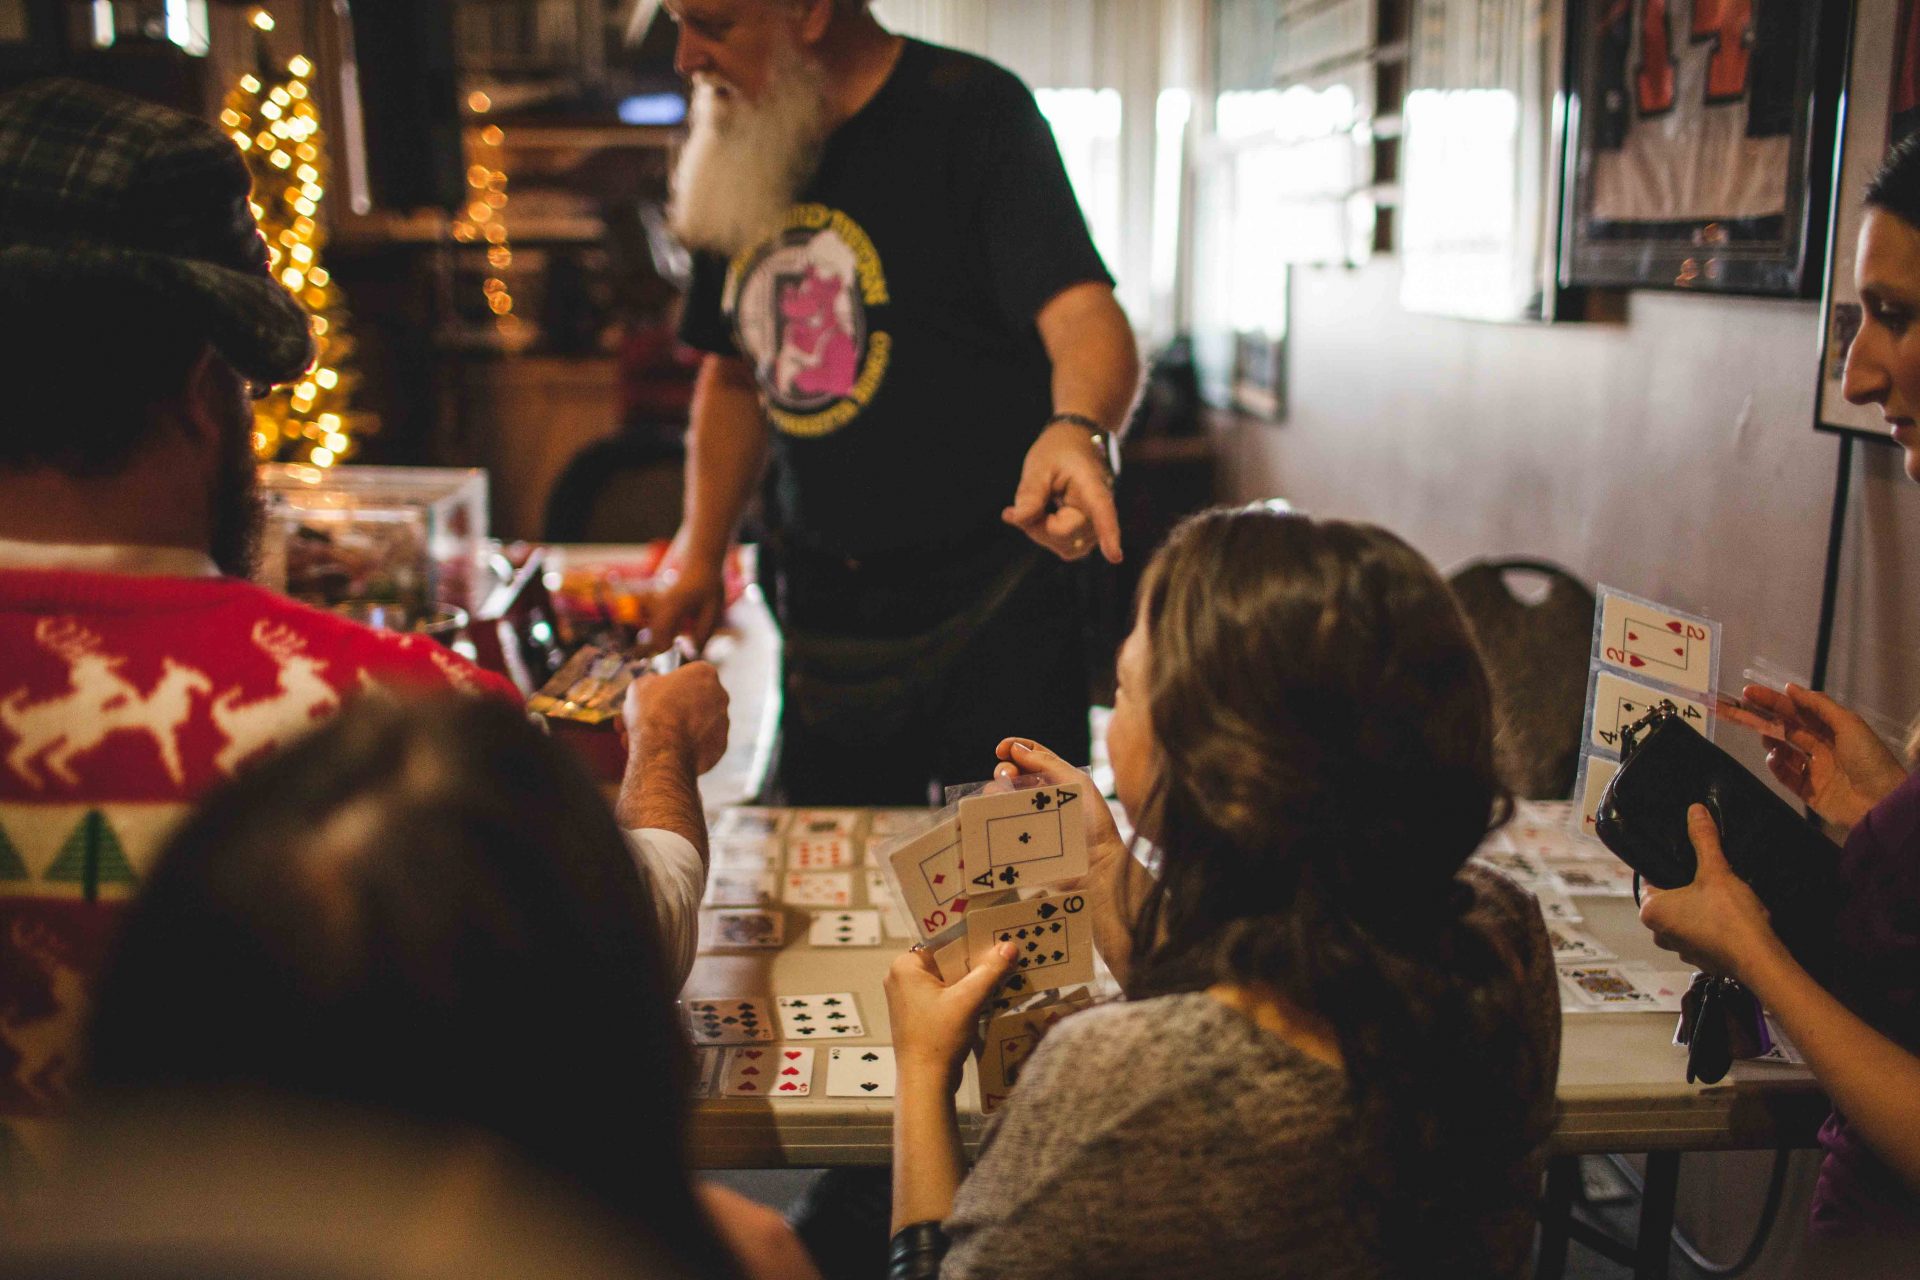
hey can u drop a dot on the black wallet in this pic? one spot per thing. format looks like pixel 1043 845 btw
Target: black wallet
pixel 1667 766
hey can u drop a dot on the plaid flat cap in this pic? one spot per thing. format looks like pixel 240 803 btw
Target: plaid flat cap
pixel 98 187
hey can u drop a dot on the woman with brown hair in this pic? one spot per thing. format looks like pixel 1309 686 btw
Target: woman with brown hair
pixel 1339 1046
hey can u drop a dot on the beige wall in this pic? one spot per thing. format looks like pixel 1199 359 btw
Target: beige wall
pixel 1670 454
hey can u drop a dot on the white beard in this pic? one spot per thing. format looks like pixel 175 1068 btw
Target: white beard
pixel 744 162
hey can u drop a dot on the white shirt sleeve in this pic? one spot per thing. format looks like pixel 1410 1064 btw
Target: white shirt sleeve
pixel 677 880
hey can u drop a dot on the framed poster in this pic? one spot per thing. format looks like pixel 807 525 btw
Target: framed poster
pixel 1701 141
pixel 1882 107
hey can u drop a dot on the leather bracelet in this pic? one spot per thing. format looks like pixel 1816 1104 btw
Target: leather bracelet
pixel 1103 440
pixel 915 1251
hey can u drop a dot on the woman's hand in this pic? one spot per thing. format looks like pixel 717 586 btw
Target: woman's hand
pixel 1022 757
pixel 1717 923
pixel 1820 751
pixel 933 1023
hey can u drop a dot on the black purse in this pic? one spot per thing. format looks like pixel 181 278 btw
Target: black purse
pixel 1666 767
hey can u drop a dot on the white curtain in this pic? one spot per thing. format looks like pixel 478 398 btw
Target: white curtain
pixel 1088 61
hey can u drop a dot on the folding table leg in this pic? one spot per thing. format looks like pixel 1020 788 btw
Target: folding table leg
pixel 1563 1180
pixel 1655 1248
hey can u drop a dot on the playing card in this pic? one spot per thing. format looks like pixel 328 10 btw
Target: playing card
pixel 1014 839
pixel 1593 877
pixel 1053 934
pixel 737 889
pixel 1009 1039
pixel 819 853
pixel 818 889
pixel 1524 869
pixel 727 1020
pixel 1557 907
pixel 1595 773
pixel 706 1062
pixel 1618 702
pixel 857 1071
pixel 925 872
pixel 1571 945
pixel 845 929
pixel 1594 988
pixel 950 960
pixel 731 928
pixel 744 857
pixel 901 822
pixel 1654 643
pixel 744 820
pixel 824 822
pixel 783 1071
pixel 882 899
pixel 834 1016
pixel 1783 1050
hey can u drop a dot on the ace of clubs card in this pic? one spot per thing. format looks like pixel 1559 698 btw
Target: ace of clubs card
pixel 1018 838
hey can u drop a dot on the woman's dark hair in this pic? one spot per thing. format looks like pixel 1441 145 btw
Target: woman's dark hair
pixel 424 908
pixel 1325 736
pixel 1896 186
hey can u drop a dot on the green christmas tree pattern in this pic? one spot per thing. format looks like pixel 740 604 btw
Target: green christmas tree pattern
pixel 12 865
pixel 92 856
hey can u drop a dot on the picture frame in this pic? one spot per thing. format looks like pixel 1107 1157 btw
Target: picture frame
pixel 1699 158
pixel 1874 117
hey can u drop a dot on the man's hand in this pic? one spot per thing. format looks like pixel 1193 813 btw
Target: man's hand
pixel 1820 751
pixel 1717 923
pixel 689 605
pixel 1065 498
pixel 683 713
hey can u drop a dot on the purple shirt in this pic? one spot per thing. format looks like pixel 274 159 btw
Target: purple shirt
pixel 1879 928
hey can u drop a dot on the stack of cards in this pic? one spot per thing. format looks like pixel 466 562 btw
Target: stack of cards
pixel 1009 1039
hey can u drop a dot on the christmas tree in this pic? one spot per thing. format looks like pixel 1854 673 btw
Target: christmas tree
pixel 92 856
pixel 273 119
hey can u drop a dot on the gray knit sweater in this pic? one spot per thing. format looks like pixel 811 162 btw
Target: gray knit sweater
pixel 1174 1137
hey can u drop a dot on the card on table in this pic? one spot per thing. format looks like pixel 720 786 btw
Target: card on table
pixel 1601 988
pixel 858 928
pixel 824 822
pixel 1557 907
pixel 739 889
pixel 834 1016
pixel 901 822
pixel 1618 702
pixel 783 1071
pixel 744 857
pixel 880 896
pixel 926 875
pixel 1593 877
pixel 1643 639
pixel 819 853
pixel 857 1071
pixel 706 1064
pixel 1524 869
pixel 1571 945
pixel 729 928
pixel 1053 935
pixel 747 820
pixel 818 889
pixel 727 1020
pixel 1013 839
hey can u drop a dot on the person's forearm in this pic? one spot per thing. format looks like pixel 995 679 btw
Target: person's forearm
pixel 927 1160
pixel 1096 368
pixel 661 790
pixel 1872 1080
pixel 726 451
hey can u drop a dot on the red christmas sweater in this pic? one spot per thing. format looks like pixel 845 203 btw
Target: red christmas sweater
pixel 122 698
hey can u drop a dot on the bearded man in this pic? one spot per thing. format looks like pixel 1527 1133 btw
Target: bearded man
pixel 901 307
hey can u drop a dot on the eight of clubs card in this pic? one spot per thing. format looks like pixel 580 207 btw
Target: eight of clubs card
pixel 860 1071
pixel 1018 838
pixel 1052 936
pixel 1655 643
pixel 833 1016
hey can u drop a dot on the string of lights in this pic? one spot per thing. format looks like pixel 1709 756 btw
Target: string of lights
pixel 484 218
pixel 272 117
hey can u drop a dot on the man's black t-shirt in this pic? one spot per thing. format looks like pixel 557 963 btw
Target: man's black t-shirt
pixel 891 324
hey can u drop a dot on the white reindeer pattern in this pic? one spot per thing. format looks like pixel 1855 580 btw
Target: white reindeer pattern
pixel 300 696
pixel 101 702
pixel 44 1045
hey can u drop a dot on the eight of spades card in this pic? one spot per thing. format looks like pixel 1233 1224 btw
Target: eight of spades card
pixel 1052 935
pixel 833 1016
pixel 784 1071
pixel 860 1071
pixel 1013 839
pixel 727 1020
